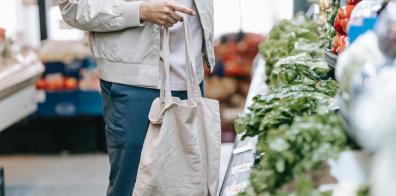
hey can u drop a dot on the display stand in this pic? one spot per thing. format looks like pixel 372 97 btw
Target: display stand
pixel 242 158
pixel 350 165
pixel 18 92
pixel 2 184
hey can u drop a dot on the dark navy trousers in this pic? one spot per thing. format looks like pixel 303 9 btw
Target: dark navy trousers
pixel 125 111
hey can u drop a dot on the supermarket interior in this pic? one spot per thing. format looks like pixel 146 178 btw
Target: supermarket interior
pixel 302 87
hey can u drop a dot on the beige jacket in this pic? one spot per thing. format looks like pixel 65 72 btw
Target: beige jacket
pixel 128 52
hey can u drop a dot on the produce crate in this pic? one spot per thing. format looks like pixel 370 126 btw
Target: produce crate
pixel 2 182
pixel 89 103
pixel 59 104
pixel 71 69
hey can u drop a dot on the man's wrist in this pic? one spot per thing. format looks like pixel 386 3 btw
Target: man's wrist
pixel 142 11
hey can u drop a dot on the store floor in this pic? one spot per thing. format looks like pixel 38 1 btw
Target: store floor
pixel 65 175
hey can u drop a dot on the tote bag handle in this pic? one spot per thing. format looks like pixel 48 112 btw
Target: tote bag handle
pixel 193 90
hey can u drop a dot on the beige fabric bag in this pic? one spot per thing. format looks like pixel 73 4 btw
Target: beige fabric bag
pixel 181 153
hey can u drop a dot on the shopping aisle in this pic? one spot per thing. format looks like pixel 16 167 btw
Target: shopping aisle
pixel 55 175
pixel 64 175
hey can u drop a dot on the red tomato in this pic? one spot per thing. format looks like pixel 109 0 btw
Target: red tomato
pixel 2 34
pixel 335 47
pixel 340 44
pixel 353 2
pixel 344 42
pixel 40 84
pixel 337 25
pixel 344 25
pixel 346 11
pixel 342 19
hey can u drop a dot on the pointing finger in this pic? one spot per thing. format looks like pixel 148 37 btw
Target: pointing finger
pixel 183 9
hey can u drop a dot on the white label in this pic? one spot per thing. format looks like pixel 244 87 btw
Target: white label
pixel 241 168
pixel 235 189
pixel 244 148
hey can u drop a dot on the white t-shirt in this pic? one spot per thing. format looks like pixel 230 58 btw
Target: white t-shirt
pixel 178 49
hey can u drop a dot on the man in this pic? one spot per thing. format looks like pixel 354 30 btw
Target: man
pixel 125 38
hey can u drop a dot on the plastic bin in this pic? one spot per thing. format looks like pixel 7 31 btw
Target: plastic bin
pixel 71 69
pixel 70 103
pixel 89 103
pixel 59 104
pixel 356 30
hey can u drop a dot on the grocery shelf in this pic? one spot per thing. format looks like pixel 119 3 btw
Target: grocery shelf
pixel 243 155
pixel 17 106
pixel 18 92
pixel 239 168
pixel 13 77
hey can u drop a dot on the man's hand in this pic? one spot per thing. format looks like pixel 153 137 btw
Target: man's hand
pixel 163 12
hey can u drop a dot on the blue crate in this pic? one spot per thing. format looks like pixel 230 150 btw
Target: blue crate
pixel 70 103
pixel 89 103
pixel 70 69
pixel 88 63
pixel 356 30
pixel 59 104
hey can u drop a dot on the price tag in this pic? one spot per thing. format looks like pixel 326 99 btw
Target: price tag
pixel 235 189
pixel 241 168
pixel 243 148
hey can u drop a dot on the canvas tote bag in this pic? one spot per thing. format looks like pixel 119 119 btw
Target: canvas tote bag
pixel 181 152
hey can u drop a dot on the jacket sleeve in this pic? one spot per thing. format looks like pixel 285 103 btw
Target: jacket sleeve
pixel 100 15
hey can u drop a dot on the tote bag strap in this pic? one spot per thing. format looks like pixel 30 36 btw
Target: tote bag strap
pixel 165 91
pixel 193 90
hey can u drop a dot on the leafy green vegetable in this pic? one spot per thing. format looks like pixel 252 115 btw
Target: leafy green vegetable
pixel 272 112
pixel 318 65
pixel 292 74
pixel 284 103
pixel 289 38
pixel 364 190
pixel 280 109
pixel 291 151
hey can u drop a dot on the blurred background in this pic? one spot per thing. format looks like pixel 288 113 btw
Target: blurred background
pixel 52 139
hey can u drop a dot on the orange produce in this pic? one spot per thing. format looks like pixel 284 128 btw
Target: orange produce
pixel 41 84
pixel 70 83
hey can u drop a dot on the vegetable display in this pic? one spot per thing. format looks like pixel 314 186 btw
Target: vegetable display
pixel 293 151
pixel 333 25
pixel 297 124
pixel 341 23
pixel 329 10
